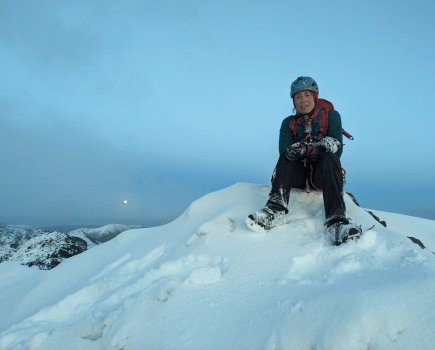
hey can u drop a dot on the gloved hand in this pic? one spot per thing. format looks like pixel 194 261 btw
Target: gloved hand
pixel 327 143
pixel 296 151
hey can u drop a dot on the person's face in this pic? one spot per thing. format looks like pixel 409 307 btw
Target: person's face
pixel 304 102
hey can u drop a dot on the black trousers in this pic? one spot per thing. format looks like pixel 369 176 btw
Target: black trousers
pixel 326 175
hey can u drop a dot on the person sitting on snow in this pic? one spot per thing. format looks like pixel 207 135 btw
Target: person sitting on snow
pixel 306 157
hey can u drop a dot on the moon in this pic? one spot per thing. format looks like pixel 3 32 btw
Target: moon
pixel 125 201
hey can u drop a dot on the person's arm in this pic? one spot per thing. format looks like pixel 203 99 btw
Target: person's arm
pixel 335 130
pixel 286 138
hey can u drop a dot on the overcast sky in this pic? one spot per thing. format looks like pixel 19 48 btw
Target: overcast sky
pixel 161 102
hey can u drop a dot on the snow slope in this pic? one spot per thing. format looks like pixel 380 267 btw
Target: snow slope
pixel 205 281
pixel 422 229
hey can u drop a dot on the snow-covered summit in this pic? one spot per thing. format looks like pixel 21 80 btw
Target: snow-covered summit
pixel 205 281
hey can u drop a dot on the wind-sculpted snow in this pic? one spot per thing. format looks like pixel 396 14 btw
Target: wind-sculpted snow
pixel 205 281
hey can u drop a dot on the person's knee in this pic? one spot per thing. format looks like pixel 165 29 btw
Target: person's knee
pixel 330 158
pixel 328 164
pixel 328 155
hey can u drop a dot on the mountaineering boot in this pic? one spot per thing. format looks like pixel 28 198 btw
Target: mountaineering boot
pixel 340 231
pixel 265 219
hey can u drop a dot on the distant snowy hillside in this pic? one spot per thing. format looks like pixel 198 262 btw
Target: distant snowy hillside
pixel 205 281
pixel 15 235
pixel 102 234
pixel 44 249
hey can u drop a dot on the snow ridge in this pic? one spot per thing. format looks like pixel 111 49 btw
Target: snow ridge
pixel 205 281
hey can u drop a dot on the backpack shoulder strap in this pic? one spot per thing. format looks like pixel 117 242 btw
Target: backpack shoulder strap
pixel 326 106
pixel 292 125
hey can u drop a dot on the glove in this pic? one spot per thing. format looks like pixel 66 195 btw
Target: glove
pixel 296 151
pixel 327 143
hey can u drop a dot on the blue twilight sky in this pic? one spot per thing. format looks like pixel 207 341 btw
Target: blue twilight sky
pixel 161 102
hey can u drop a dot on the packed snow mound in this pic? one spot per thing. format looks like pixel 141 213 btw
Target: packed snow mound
pixel 205 281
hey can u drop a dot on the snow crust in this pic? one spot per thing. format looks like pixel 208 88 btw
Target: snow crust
pixel 205 281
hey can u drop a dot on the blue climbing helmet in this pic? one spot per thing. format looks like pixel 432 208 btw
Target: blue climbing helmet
pixel 303 84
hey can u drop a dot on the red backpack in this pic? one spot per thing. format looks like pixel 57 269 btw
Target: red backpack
pixel 326 106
